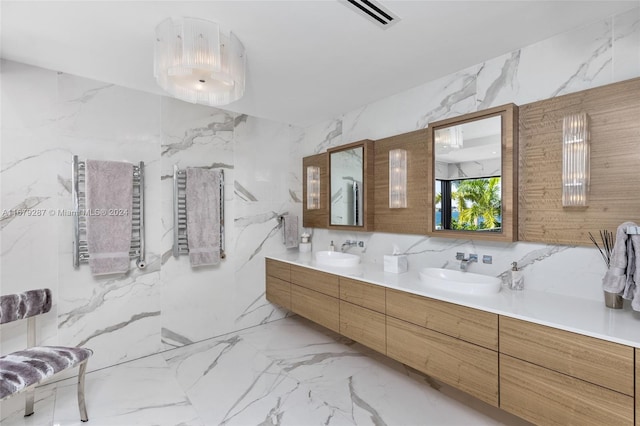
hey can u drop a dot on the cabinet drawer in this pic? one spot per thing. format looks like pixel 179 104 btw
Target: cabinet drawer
pixel 468 367
pixel 543 396
pixel 593 360
pixel 637 386
pixel 316 280
pixel 363 294
pixel 278 291
pixel 317 307
pixel 278 269
pixel 364 326
pixel 472 325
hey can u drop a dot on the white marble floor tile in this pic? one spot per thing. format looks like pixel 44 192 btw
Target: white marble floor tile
pixel 228 381
pixel 141 392
pixel 12 410
pixel 287 372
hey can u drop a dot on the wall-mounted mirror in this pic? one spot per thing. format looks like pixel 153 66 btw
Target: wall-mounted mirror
pixel 351 190
pixel 474 179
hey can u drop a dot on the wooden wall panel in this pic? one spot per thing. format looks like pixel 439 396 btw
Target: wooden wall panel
pixel 413 219
pixel 316 218
pixel 614 111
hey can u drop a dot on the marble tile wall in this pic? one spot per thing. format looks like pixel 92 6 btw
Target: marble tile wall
pixel 590 56
pixel 46 118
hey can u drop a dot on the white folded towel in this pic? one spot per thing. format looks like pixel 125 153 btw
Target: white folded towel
pixel 203 216
pixel 109 192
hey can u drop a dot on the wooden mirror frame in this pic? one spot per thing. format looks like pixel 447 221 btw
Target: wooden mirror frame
pixel 367 181
pixel 317 218
pixel 509 175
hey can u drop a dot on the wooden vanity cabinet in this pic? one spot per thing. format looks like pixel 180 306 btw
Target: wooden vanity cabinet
pixel 363 294
pixel 468 367
pixel 314 295
pixel 539 373
pixel 468 324
pixel 637 387
pixel 364 326
pixel 597 361
pixel 452 343
pixel 555 376
pixel 362 313
pixel 278 287
pixel 544 396
pixel 321 282
pixel 315 306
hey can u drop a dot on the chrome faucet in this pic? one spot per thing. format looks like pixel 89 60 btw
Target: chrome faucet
pixel 348 244
pixel 464 263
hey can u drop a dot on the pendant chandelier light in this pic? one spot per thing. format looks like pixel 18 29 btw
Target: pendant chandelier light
pixel 450 138
pixel 196 62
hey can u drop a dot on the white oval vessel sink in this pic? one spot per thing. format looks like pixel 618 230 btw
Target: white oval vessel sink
pixel 336 258
pixel 460 282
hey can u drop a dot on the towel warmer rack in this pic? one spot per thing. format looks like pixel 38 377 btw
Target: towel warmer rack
pixel 78 195
pixel 180 241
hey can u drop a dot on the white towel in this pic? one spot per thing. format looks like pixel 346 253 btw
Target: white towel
pixel 109 195
pixel 203 216
pixel 290 230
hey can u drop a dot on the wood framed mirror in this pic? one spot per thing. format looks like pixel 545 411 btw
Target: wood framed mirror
pixel 473 176
pixel 351 186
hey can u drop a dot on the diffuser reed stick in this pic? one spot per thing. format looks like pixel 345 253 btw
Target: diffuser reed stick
pixel 607 240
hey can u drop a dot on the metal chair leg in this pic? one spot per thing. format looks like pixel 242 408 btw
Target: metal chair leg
pixel 81 404
pixel 28 404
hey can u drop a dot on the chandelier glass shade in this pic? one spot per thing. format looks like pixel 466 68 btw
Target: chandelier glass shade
pixel 194 61
pixel 450 138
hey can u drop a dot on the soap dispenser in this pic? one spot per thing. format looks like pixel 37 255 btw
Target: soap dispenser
pixel 517 279
pixel 332 247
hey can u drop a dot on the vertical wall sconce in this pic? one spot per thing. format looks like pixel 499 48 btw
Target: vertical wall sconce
pixel 313 188
pixel 575 160
pixel 397 179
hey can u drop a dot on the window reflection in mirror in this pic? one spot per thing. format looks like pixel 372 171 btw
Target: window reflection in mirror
pixel 347 170
pixel 468 193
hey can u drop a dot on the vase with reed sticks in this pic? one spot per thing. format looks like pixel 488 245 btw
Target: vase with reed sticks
pixel 605 246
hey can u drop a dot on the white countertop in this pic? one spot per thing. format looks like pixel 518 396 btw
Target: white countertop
pixel 583 316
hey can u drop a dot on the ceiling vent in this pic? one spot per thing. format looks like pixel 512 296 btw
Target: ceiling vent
pixel 373 11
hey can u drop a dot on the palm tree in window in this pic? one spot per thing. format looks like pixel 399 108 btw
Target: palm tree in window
pixel 479 203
